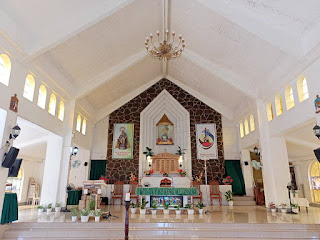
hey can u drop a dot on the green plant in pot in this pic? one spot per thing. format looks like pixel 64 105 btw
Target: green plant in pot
pixel 49 208
pixel 57 207
pixel 295 207
pixel 143 206
pixel 200 206
pixel 229 197
pixel 178 211
pixel 85 215
pixel 189 208
pixel 97 215
pixel 166 208
pixel 133 207
pixel 74 213
pixel 154 207
pixel 40 209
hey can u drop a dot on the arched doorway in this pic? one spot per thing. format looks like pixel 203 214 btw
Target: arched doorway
pixel 315 180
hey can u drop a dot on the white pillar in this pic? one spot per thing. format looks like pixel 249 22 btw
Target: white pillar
pixel 247 172
pixel 274 156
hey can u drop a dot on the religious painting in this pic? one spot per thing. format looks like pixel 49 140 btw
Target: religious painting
pixel 207 147
pixel 165 131
pixel 122 141
pixel 317 104
pixel 14 103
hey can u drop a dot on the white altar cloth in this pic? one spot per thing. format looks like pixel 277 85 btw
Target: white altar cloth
pixel 175 181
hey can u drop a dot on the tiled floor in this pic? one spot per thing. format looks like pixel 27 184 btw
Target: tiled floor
pixel 237 214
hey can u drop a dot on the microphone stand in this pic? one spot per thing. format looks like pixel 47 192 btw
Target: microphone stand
pixel 109 215
pixel 289 189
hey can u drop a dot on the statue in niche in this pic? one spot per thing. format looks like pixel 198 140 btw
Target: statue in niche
pixel 165 129
pixel 123 141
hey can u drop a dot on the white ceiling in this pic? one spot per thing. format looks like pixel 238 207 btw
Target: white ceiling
pixel 236 50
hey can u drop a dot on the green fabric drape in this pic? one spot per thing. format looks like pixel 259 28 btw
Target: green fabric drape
pixel 165 191
pixel 73 197
pixel 233 169
pixel 10 208
pixel 98 169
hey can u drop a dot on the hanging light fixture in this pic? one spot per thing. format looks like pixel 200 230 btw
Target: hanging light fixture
pixel 316 131
pixel 15 132
pixel 256 151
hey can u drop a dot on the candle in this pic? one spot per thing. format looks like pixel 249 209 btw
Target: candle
pixel 99 191
pixel 127 197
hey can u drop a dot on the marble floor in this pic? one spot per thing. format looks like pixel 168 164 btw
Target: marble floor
pixel 216 214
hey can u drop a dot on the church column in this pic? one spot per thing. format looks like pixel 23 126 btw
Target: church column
pixel 274 156
pixel 247 172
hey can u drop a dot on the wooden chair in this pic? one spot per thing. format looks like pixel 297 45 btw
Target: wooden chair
pixel 117 191
pixel 132 189
pixel 215 192
pixel 199 196
pixel 165 183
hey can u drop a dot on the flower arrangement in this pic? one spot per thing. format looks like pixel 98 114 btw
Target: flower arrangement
pixel 164 173
pixel 283 205
pixel 166 205
pixel 105 179
pixel 143 203
pixel 272 205
pixel 181 172
pixel 189 206
pixel 227 180
pixel 85 212
pixel 228 196
pixel 199 179
pixel 133 205
pixel 177 207
pixel 133 178
pixel 154 204
pixel 200 205
pixel 148 172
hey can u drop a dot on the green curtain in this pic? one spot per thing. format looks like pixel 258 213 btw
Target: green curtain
pixel 10 208
pixel 98 169
pixel 233 169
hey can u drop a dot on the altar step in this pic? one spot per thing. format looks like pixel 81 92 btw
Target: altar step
pixel 243 201
pixel 144 231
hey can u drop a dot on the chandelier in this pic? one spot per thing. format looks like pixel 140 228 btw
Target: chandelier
pixel 167 49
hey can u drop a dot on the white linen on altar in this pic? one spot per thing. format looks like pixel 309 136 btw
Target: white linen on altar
pixel 175 181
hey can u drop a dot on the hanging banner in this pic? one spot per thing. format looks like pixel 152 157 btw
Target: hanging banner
pixel 122 147
pixel 207 147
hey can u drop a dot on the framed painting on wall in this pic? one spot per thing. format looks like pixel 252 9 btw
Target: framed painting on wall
pixel 207 147
pixel 122 146
pixel 165 131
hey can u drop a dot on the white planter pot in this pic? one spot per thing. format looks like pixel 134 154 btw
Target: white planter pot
pixel 283 210
pixel 84 219
pixel 273 210
pixel 143 211
pixel 97 219
pixel 133 210
pixel 200 211
pixel 295 210
pixel 49 210
pixel 74 218
pixel 166 211
pixel 190 211
pixel 57 209
pixel 178 212
pixel 154 212
pixel 40 211
pixel 230 203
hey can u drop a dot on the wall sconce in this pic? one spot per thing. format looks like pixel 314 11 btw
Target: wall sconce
pixel 316 131
pixel 149 161
pixel 74 151
pixel 15 132
pixel 256 151
pixel 180 160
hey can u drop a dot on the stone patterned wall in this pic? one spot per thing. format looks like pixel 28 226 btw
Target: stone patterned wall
pixel 130 113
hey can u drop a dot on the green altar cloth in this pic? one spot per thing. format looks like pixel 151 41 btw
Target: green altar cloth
pixel 73 197
pixel 10 208
pixel 164 191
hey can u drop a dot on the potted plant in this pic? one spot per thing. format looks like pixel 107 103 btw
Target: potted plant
pixel 190 209
pixel 143 206
pixel 97 215
pixel 164 173
pixel 229 197
pixel 166 208
pixel 178 211
pixel 49 208
pixel 57 207
pixel 148 172
pixel 91 206
pixel 295 207
pixel 84 215
pixel 154 208
pixel 133 207
pixel 40 209
pixel 132 178
pixel 74 213
pixel 227 181
pixel 200 206
pixel 283 207
pixel 182 173
pixel 272 206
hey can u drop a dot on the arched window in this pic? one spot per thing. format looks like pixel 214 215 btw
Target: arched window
pixel 78 126
pixel 84 126
pixel 241 130
pixel 42 98
pixel 5 69
pixel 61 111
pixel 29 87
pixel 302 88
pixel 252 124
pixel 278 103
pixel 52 104
pixel 289 97
pixel 315 180
pixel 269 111
pixel 246 126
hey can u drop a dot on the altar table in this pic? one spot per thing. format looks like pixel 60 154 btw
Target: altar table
pixel 10 208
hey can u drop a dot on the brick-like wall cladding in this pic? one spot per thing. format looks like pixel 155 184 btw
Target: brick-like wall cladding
pixel 130 113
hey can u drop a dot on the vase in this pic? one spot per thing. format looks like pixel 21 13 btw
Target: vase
pixel 143 211
pixel 166 211
pixel 74 218
pixel 273 210
pixel 97 219
pixel 230 203
pixel 154 211
pixel 49 210
pixel 283 210
pixel 40 210
pixel 200 211
pixel 84 219
pixel 178 212
pixel 133 210
pixel 295 210
pixel 190 211
pixel 57 209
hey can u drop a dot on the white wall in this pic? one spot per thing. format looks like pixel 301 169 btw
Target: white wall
pixel 100 139
pixel 230 139
pixel 79 174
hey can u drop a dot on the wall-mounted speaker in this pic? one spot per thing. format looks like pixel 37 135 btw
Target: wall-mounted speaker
pixel 246 163
pixel 85 164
